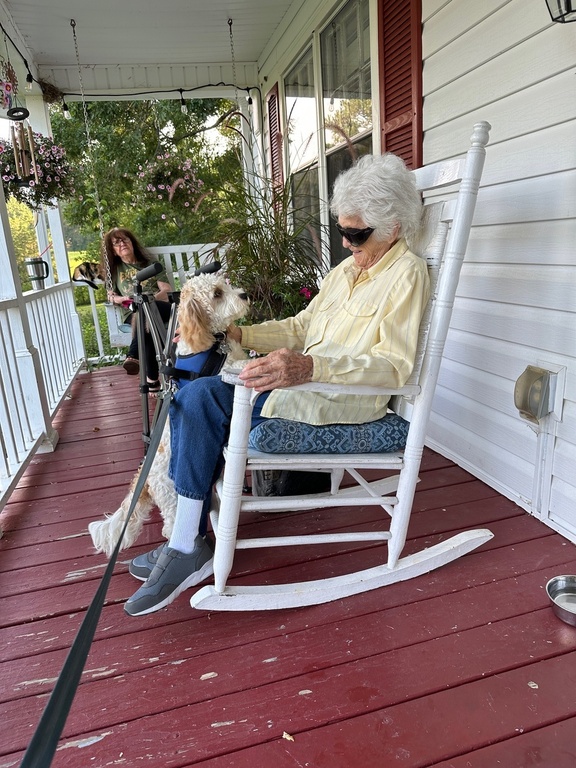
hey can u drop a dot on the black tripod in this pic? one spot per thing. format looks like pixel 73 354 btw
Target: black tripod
pixel 148 317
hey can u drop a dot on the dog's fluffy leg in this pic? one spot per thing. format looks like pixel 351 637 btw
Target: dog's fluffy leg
pixel 105 533
pixel 158 489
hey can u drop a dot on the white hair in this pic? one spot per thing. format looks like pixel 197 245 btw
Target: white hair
pixel 381 190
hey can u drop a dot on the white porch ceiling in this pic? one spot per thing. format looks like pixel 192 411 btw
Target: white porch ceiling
pixel 129 46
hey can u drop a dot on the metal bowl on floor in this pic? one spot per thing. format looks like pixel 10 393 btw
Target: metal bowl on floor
pixel 562 592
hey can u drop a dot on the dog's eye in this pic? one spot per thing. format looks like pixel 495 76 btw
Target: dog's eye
pixel 218 293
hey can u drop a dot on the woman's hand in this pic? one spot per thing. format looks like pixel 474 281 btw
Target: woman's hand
pixel 234 333
pixel 163 290
pixel 281 368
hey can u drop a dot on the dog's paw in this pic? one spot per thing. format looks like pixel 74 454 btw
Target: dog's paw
pixel 98 531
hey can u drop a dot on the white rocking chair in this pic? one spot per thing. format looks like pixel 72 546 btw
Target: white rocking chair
pixel 443 240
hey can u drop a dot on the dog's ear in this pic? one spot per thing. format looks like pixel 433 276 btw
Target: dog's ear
pixel 194 323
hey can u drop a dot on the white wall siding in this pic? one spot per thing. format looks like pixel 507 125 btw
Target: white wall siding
pixel 506 62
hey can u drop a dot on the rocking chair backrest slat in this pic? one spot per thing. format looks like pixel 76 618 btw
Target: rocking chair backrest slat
pixel 429 244
pixel 439 175
pixel 180 260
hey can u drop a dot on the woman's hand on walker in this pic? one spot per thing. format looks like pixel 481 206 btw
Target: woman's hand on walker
pixel 281 368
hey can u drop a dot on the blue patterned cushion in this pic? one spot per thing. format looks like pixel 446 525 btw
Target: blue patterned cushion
pixel 283 436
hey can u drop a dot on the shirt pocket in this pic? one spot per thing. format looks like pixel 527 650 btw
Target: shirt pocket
pixel 361 309
pixel 323 315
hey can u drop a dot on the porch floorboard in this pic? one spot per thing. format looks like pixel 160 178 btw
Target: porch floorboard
pixel 466 667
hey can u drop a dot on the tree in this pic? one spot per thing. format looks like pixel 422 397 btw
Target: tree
pixel 23 235
pixel 131 143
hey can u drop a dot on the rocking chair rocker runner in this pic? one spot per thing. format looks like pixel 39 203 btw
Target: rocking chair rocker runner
pixel 442 242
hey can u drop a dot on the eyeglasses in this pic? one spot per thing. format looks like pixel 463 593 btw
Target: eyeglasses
pixel 355 236
pixel 119 240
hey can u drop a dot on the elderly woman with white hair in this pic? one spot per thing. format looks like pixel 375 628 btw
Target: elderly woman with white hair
pixel 361 327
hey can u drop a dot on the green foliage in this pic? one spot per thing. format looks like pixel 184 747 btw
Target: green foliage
pixel 76 257
pixel 22 228
pixel 127 138
pixel 82 295
pixel 23 235
pixel 273 249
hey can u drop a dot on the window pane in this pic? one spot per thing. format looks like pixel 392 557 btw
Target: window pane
pixel 301 113
pixel 347 96
pixel 339 161
pixel 306 202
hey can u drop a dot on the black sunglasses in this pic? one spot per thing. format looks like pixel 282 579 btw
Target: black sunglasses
pixel 355 237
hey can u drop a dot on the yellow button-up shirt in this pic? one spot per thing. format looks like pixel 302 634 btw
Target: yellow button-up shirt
pixel 361 328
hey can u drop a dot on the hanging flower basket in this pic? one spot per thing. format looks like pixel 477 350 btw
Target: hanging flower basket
pixel 53 180
pixel 167 182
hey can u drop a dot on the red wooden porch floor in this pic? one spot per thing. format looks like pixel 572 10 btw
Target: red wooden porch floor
pixel 466 667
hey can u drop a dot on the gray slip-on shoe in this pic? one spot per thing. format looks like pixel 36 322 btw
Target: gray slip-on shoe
pixel 143 565
pixel 173 573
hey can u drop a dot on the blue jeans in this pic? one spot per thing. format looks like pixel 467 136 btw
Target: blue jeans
pixel 200 416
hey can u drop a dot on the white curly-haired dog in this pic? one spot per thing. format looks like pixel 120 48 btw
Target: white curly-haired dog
pixel 208 304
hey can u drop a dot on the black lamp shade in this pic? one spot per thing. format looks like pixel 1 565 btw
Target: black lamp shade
pixel 562 10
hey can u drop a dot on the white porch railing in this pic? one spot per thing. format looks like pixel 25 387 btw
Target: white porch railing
pixel 34 378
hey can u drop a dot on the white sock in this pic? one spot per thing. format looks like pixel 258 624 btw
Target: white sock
pixel 186 524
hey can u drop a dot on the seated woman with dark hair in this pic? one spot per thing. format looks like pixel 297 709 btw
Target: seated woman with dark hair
pixel 362 327
pixel 126 257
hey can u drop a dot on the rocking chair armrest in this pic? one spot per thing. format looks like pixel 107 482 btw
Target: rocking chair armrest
pixel 231 377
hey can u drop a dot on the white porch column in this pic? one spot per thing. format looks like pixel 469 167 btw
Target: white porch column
pixel 251 129
pixel 40 122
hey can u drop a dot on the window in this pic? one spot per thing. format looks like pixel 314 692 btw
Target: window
pixel 346 87
pixel 346 100
pixel 301 113
pixel 302 132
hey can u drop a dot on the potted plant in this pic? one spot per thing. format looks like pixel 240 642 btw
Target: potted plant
pixel 272 248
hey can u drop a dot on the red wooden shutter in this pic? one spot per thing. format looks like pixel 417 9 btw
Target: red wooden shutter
pixel 275 136
pixel 400 77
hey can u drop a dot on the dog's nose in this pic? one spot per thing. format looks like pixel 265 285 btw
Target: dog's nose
pixel 243 296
